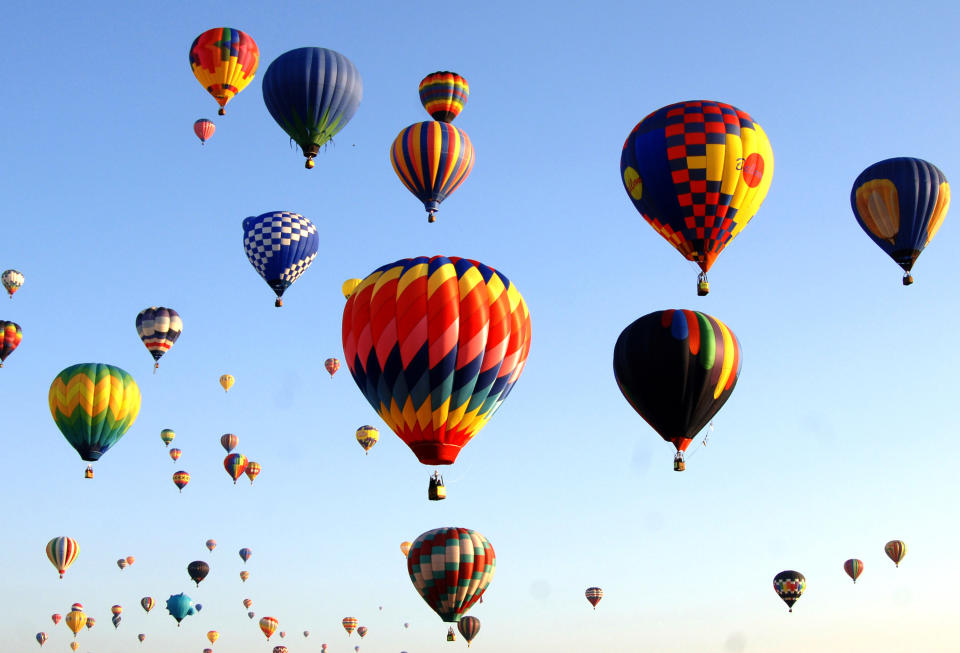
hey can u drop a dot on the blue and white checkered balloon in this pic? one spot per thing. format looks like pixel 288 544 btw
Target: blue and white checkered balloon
pixel 280 246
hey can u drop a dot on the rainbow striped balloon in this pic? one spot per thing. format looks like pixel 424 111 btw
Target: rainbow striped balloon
pixel 349 625
pixel 436 345
pixel 854 568
pixel 235 464
pixel 468 627
pixel 443 95
pixel 895 550
pixel 451 569
pixel 62 551
pixel 432 159
pixel 93 405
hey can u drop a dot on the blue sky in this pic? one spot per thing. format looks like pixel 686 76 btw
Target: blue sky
pixel 836 439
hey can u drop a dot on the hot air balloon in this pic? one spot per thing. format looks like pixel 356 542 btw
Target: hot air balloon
pixel 167 435
pixel 10 336
pixel 116 609
pixel 456 334
pixel 677 368
pixel 175 454
pixel 306 633
pixel 74 646
pixel 180 606
pixel 199 607
pixel 312 93
pixel 41 638
pixel 405 548
pixel 122 563
pixel 158 328
pixel 245 554
pixel 854 568
pixel 451 635
pixel 895 550
pixel 61 552
pixel 594 594
pixel 55 618
pixel 12 280
pixel 76 619
pixel 356 649
pixel 208 650
pixel 280 246
pixel 116 619
pixel 141 637
pixel 350 624
pixel 131 560
pixel 697 172
pixel 443 95
pixel 901 204
pixel 468 627
pixel 244 575
pixel 268 625
pixel 91 622
pixel 147 603
pixel 180 479
pixel 362 631
pixel 406 624
pixel 211 545
pixel 226 381
pixel 213 636
pixel 93 405
pixel 252 471
pixel 251 614
pixel 432 159
pixel 282 634
pixel 279 649
pixel 229 442
pixel 789 585
pixel 198 570
pixel 247 603
pixel 367 436
pixel 349 286
pixel 224 60
pixel 451 568
pixel 235 464
pixel 331 365
pixel 204 129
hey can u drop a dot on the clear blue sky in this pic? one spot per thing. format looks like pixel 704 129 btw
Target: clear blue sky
pixel 837 438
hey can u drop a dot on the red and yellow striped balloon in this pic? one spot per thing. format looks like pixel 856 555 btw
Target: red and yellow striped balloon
pixel 436 345
pixel 432 159
pixel 62 551
pixel 350 624
pixel 269 626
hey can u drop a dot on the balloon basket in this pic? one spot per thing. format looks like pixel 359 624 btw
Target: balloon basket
pixel 907 279
pixel 436 491
pixel 278 303
pixel 88 473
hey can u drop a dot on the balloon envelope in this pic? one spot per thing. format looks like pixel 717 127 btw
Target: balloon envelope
pixel 789 585
pixel 10 336
pixel 451 568
pixel 211 545
pixel 167 435
pixel 895 550
pixel 226 381
pixel 432 159
pixel 468 627
pixel 350 624
pixel 158 328
pixel 229 442
pixel 224 60
pixel 268 625
pixel 443 95
pixel 854 568
pixel 331 365
pixel 180 606
pixel 367 436
pixel 252 471
pixel 436 345
pixel 12 281
pixel 198 570
pixel 235 464
pixel 594 594
pixel 280 246
pixel 147 603
pixel 204 129
pixel 61 552
pixel 245 554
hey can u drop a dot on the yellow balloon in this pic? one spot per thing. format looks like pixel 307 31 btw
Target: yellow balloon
pixel 213 636
pixel 76 619
pixel 226 381
pixel 349 286
pixel 74 645
pixel 405 548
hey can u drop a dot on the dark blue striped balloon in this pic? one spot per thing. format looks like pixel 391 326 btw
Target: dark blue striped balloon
pixel 280 246
pixel 312 93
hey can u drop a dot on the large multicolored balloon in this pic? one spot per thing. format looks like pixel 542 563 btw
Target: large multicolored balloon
pixel 198 570
pixel 158 328
pixel 76 619
pixel 854 568
pixel 147 603
pixel 468 627
pixel 451 568
pixel 181 479
pixel 252 471
pixel 280 246
pixel 224 60
pixel 235 464
pixel 61 552
pixel 167 435
pixel 204 129
pixel 269 625
pixel 350 624
pixel 245 554
pixel 180 606
pixel 312 93
pixel 226 382
pixel 10 337
pixel 901 204
pixel 367 436
pixel 895 550
pixel 12 280
pixel 677 368
pixel 789 585
pixel 697 172
pixel 432 159
pixel 436 345
pixel 594 594
pixel 93 405
pixel 229 442
pixel 443 95
pixel 331 365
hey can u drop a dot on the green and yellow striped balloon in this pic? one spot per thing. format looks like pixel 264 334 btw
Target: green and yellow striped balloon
pixel 93 405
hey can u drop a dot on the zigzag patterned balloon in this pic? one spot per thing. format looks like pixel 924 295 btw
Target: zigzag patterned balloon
pixel 280 246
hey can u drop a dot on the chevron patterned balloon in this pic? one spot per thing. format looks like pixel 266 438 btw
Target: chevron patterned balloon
pixel 451 569
pixel 93 405
pixel 280 246
pixel 435 345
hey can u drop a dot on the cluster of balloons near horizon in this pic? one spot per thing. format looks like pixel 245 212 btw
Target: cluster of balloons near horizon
pixel 433 158
pixel 790 585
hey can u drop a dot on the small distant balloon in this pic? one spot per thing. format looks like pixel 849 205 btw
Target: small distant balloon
pixel 282 634
pixel 226 381
pixel 251 614
pixel 175 454
pixel 147 603
pixel 12 280
pixel 55 618
pixel 10 337
pixel 198 570
pixel 116 609
pixel 122 563
pixel 116 620
pixel 252 471
pixel 895 550
pixel 331 365
pixel 204 129
pixel 180 479
pixel 405 548
pixel 141 637
pixel 279 649
pixel 349 286
pixel 306 633
pixel 244 575
pixel 76 619
pixel 362 631
pixel 158 328
pixel 167 435
pixel 91 622
pixel 350 624
pixel 789 586
pixel 229 442
pixel 854 568
pixel 594 594
pixel 180 606
pixel 211 545
pixel 235 464
pixel 281 246
pixel 213 636
pixel 61 552
pixel 468 627
pixel 41 638
pixel 367 436
pixel 74 646
pixel 224 60
pixel 269 626
pixel 245 554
